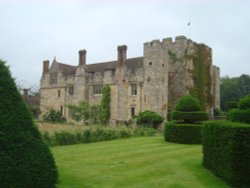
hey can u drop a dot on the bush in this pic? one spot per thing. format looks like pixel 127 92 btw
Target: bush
pixel 237 115
pixel 226 151
pixel 188 104
pixel 244 103
pixel 243 113
pixel 25 160
pixel 188 111
pixel 190 117
pixel 183 133
pixel 94 135
pixel 54 116
pixel 149 119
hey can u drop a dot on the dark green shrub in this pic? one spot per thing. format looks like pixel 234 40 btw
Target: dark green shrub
pixel 188 104
pixel 54 116
pixel 105 104
pixel 244 103
pixel 190 117
pixel 226 151
pixel 46 138
pixel 94 135
pixel 64 138
pixel 243 113
pixel 183 133
pixel 149 119
pixel 238 115
pixel 188 111
pixel 25 160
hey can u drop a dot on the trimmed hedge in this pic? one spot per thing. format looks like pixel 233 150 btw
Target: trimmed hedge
pixel 226 151
pixel 190 117
pixel 188 103
pixel 183 133
pixel 25 160
pixel 94 135
pixel 238 115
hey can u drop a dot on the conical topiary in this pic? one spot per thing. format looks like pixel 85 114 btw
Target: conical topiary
pixel 25 161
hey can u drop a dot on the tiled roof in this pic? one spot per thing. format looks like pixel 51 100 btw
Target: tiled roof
pixel 69 69
pixel 132 63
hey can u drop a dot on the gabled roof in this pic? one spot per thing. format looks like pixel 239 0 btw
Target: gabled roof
pixel 69 69
pixel 61 67
pixel 132 63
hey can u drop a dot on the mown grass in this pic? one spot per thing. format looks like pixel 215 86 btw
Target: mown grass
pixel 134 162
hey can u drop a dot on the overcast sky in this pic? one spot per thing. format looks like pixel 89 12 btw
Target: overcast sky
pixel 34 30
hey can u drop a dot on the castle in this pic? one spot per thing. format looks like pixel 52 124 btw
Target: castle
pixel 168 70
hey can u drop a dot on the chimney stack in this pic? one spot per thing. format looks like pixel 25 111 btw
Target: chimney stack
pixel 122 54
pixel 45 67
pixel 82 57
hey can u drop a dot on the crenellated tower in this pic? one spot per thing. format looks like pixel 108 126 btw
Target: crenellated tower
pixel 155 64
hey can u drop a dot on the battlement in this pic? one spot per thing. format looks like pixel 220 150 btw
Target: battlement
pixel 167 41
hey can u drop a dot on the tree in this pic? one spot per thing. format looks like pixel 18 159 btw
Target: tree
pixel 25 161
pixel 232 89
pixel 105 105
pixel 80 112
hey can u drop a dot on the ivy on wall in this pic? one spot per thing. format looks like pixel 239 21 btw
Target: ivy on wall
pixel 202 77
pixel 173 56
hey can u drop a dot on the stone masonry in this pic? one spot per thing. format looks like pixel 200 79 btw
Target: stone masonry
pixel 152 82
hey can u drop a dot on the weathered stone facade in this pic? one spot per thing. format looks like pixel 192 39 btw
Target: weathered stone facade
pixel 168 70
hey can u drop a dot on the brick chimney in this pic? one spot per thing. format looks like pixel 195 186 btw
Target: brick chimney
pixel 82 57
pixel 45 67
pixel 122 54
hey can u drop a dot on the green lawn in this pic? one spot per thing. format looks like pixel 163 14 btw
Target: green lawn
pixel 134 162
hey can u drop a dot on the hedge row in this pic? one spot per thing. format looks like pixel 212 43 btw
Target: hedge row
pixel 226 151
pixel 190 117
pixel 238 115
pixel 183 133
pixel 94 135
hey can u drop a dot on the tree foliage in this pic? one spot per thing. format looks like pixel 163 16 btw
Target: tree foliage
pixel 25 161
pixel 93 114
pixel 105 104
pixel 242 114
pixel 232 89
pixel 54 116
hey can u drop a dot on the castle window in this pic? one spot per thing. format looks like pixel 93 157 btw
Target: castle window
pixel 132 111
pixel 58 93
pixel 150 63
pixel 53 78
pixel 61 110
pixel 71 90
pixel 162 65
pixel 97 89
pixel 134 89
